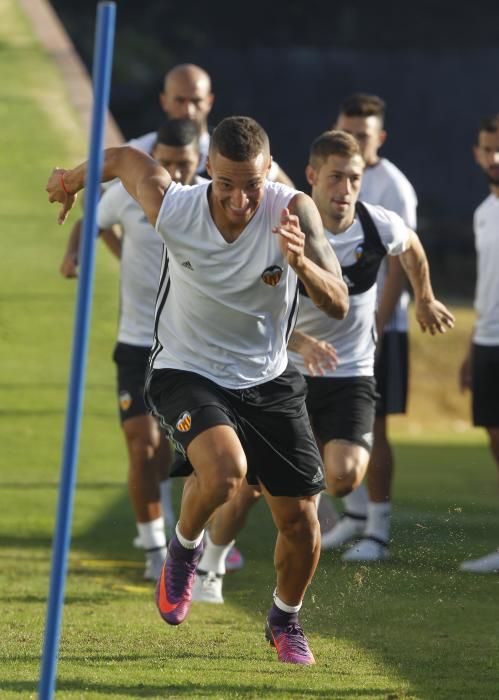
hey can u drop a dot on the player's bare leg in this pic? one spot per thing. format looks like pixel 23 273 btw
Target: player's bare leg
pixel 381 464
pixel 488 564
pixel 219 466
pixel 143 443
pixel 227 521
pixel 296 556
pixel 345 464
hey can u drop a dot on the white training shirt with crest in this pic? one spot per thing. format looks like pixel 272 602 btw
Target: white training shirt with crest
pixel 140 264
pixel 386 185
pixel 215 315
pixel 354 337
pixel 486 227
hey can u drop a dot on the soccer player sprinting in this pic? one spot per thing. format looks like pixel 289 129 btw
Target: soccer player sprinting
pixel 367 512
pixel 341 402
pixel 220 380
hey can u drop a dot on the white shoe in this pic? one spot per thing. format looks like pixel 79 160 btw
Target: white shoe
pixel 489 564
pixel 137 542
pixel 367 549
pixel 345 530
pixel 154 563
pixel 207 587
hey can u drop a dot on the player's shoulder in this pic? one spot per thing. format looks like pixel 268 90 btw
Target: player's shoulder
pixel 381 216
pixel 489 203
pixel 394 176
pixel 277 190
pixel 145 142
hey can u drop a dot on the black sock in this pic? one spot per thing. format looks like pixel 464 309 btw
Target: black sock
pixel 280 618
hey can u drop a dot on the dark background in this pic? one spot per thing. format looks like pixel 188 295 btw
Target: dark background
pixel 289 65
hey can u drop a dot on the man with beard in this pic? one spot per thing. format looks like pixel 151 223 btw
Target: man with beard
pixel 480 368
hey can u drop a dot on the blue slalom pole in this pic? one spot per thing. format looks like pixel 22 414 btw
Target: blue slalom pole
pixel 103 54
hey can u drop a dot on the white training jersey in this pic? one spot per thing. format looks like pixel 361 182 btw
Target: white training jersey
pixel 224 310
pixel 386 185
pixel 486 227
pixel 146 143
pixel 141 254
pixel 354 337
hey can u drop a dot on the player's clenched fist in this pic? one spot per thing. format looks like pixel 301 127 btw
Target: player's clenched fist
pixel 58 192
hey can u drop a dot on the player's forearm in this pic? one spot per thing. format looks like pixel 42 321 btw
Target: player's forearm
pixel 415 264
pixel 393 287
pixel 73 244
pixel 112 240
pixel 128 164
pixel 325 288
pixel 297 340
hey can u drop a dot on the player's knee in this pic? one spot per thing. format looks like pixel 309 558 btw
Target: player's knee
pixel 346 478
pixel 141 449
pixel 225 478
pixel 301 524
pixel 343 484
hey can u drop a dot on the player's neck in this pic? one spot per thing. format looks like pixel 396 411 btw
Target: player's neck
pixel 494 189
pixel 337 226
pixel 373 162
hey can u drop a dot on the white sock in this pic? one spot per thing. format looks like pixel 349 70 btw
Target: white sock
pixel 188 544
pixel 214 555
pixel 165 489
pixel 378 520
pixel 356 502
pixel 284 607
pixel 152 534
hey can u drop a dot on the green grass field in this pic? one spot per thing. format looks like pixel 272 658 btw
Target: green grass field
pixel 410 628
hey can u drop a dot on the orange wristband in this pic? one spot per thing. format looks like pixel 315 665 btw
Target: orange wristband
pixel 63 185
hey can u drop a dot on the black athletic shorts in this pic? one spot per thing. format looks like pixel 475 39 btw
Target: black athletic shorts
pixel 132 362
pixel 270 420
pixel 485 385
pixel 392 373
pixel 342 408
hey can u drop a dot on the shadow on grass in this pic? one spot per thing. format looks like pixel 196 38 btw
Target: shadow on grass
pixel 194 690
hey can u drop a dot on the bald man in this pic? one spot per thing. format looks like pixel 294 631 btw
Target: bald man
pixel 187 94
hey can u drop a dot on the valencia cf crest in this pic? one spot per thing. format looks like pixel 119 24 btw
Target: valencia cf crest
pixel 125 400
pixel 272 275
pixel 184 422
pixel 359 252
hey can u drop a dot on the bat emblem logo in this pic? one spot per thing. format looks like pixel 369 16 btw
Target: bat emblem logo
pixel 184 422
pixel 125 400
pixel 272 275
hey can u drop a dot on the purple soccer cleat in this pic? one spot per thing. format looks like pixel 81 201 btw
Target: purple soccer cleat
pixel 290 643
pixel 174 587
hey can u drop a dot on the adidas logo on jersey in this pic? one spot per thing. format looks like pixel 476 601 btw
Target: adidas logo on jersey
pixel 347 281
pixel 187 265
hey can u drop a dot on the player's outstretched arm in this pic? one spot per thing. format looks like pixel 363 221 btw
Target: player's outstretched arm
pixel 70 261
pixel 431 314
pixel 393 286
pixel 143 178
pixel 318 355
pixel 308 252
